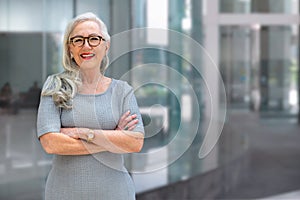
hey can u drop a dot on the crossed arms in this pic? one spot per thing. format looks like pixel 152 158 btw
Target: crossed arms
pixel 72 141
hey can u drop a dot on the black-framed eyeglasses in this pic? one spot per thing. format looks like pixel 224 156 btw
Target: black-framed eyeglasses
pixel 93 41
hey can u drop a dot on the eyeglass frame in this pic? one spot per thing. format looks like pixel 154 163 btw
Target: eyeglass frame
pixel 88 40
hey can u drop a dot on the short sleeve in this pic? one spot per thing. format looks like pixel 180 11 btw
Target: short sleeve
pixel 48 117
pixel 130 103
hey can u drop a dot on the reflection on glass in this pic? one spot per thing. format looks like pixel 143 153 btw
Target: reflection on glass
pixel 235 6
pixel 23 164
pixel 259 67
pixel 279 71
pixel 30 40
pixel 235 61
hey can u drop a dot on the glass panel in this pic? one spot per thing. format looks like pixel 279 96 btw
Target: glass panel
pixel 166 100
pixel 31 16
pixel 279 69
pixel 235 49
pixel 259 68
pixel 259 6
pixel 30 49
pixel 99 7
pixel 235 6
pixel 18 18
pixel 56 21
pixel 23 164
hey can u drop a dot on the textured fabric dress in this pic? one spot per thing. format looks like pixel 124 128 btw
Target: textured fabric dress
pixel 96 176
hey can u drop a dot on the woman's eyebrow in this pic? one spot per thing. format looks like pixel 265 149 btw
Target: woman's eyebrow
pixel 92 34
pixel 76 36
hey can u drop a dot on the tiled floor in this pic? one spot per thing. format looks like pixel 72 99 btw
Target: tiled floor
pixel 294 195
pixel 23 165
pixel 274 150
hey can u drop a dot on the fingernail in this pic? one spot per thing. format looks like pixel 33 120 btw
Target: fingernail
pixel 128 111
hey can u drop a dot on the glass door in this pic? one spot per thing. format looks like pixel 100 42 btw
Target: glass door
pixel 259 67
pixel 235 64
pixel 278 70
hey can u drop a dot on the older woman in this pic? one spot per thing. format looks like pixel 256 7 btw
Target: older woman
pixel 88 120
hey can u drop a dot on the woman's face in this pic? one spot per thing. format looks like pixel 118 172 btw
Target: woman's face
pixel 86 56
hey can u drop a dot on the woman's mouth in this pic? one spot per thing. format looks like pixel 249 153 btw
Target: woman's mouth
pixel 87 56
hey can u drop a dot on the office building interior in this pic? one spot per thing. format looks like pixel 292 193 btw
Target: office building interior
pixel 216 81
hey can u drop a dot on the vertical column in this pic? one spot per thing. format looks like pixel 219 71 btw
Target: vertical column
pixel 175 17
pixel 281 64
pixel 120 17
pixel 5 62
pixel 197 35
pixel 176 11
pixel 211 99
pixel 197 83
pixel 298 69
pixel 120 20
pixel 255 70
pixel 264 67
pixel 74 8
pixel 44 43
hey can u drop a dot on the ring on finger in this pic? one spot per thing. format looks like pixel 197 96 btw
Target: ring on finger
pixel 126 128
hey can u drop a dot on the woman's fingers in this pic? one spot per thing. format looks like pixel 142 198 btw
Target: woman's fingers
pixel 124 120
pixel 124 116
pixel 131 125
pixel 127 121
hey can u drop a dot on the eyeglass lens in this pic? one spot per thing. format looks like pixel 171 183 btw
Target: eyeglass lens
pixel 92 40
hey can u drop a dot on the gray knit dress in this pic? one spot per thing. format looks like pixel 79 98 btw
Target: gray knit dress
pixel 97 176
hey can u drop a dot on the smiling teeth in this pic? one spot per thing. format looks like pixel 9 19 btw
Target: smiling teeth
pixel 87 55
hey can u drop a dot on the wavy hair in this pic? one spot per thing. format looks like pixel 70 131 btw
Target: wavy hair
pixel 63 86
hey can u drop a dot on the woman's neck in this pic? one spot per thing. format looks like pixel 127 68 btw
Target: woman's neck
pixel 91 77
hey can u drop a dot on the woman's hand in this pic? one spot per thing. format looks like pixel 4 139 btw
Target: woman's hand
pixel 127 122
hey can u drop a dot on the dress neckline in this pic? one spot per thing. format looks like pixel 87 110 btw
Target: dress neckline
pixel 99 94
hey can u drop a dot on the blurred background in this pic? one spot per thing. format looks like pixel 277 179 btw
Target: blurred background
pixel 250 129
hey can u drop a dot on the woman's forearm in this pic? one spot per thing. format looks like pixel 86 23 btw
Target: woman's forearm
pixel 119 141
pixel 61 144
pixel 115 141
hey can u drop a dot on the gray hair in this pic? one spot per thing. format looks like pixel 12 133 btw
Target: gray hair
pixel 63 87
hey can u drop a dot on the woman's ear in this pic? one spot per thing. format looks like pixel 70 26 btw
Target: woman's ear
pixel 107 46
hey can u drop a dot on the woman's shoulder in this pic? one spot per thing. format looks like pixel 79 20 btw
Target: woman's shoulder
pixel 121 86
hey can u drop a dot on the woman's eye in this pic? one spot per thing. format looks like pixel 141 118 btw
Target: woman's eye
pixel 78 40
pixel 94 39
